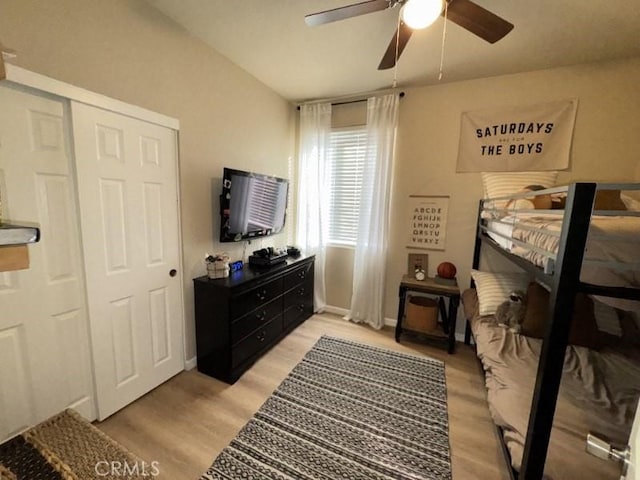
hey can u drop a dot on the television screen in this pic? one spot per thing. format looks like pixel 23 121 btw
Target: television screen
pixel 252 205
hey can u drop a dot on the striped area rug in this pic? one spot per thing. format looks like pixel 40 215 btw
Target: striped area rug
pixel 347 411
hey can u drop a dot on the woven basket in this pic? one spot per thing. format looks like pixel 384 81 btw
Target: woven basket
pixel 68 447
pixel 421 314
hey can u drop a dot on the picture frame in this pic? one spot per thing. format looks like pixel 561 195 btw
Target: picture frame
pixel 417 259
pixel 428 225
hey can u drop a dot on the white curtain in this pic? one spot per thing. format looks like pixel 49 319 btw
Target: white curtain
pixel 373 226
pixel 312 221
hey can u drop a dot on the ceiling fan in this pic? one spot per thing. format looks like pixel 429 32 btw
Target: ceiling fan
pixel 420 14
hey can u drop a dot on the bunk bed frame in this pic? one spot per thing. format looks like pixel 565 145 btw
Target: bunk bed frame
pixel 564 283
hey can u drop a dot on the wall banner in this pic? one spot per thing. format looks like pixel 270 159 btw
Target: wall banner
pixel 428 225
pixel 512 139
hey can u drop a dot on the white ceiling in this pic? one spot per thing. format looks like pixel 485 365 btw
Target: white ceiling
pixel 269 39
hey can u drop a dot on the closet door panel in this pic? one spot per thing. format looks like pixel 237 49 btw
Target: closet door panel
pixel 127 177
pixel 16 392
pixel 46 365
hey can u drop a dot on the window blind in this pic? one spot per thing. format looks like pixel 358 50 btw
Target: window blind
pixel 346 158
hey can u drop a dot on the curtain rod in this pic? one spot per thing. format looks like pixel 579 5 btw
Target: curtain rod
pixel 401 94
pixel 344 100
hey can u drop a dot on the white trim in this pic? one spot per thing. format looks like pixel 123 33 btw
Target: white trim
pixel 37 81
pixel 389 322
pixel 336 310
pixel 191 363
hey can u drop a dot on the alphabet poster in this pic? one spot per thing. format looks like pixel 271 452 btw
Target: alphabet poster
pixel 428 222
pixel 512 139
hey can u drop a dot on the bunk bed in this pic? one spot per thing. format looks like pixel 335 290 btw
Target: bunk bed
pixel 526 386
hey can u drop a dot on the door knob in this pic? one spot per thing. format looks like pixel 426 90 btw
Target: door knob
pixel 173 272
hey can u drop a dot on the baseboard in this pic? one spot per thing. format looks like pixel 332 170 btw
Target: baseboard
pixel 336 310
pixel 389 322
pixel 191 363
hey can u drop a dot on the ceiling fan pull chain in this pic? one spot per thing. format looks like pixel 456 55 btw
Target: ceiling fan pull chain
pixel 395 66
pixel 444 36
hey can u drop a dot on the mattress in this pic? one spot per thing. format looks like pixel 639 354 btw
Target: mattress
pixel 612 243
pixel 599 392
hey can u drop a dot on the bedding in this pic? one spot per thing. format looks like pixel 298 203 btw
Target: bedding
pixel 598 394
pixel 610 239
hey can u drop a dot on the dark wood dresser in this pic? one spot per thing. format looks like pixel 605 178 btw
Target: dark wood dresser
pixel 240 317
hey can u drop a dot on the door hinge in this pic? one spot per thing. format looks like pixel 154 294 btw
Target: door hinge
pixel 600 448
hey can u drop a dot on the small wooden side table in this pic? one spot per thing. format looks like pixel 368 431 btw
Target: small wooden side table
pixel 429 286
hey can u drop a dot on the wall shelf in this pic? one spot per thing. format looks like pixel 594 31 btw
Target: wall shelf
pixel 18 234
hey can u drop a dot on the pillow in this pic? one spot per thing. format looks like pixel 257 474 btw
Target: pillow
pixel 607 318
pixel 494 288
pixel 469 302
pixel 583 331
pixel 499 184
pixel 608 200
pixel 538 202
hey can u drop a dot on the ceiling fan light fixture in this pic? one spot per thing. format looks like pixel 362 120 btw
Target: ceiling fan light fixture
pixel 419 14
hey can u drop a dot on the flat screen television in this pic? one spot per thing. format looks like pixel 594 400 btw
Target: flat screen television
pixel 251 205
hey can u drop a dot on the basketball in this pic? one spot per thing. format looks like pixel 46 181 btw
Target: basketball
pixel 447 270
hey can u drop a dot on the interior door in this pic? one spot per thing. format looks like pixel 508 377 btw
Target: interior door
pixel 45 362
pixel 127 183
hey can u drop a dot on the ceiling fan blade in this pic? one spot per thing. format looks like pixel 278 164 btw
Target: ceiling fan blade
pixel 346 12
pixel 389 57
pixel 478 20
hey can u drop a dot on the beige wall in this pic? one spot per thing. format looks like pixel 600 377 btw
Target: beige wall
pixel 606 147
pixel 127 50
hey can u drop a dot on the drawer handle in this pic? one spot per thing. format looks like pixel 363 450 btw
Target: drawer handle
pixel 301 307
pixel 261 316
pixel 261 336
pixel 302 274
pixel 261 294
pixel 301 292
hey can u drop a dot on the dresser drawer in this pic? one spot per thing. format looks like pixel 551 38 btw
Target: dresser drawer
pixel 297 276
pixel 298 303
pixel 298 294
pixel 295 314
pixel 255 298
pixel 256 341
pixel 243 326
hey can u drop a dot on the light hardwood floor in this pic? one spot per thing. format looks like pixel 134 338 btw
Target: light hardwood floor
pixel 187 421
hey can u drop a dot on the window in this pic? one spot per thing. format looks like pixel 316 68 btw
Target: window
pixel 347 148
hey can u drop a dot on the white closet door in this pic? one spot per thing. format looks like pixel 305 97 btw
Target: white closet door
pixel 45 362
pixel 127 183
